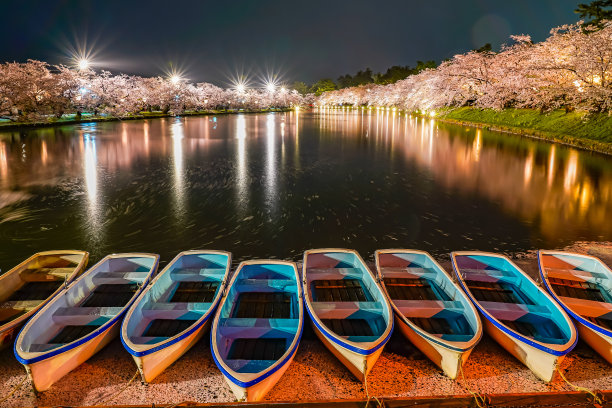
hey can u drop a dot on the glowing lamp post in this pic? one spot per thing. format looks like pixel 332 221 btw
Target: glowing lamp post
pixel 83 64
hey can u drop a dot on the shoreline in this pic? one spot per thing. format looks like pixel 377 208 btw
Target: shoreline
pixel 316 375
pixel 581 143
pixel 154 115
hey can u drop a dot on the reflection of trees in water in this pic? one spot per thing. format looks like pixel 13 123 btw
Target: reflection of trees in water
pixel 543 183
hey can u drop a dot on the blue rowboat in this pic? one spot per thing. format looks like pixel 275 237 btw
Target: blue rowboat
pixel 430 309
pixel 173 312
pixel 582 284
pixel 26 288
pixel 518 314
pixel 82 319
pixel 349 311
pixel 258 326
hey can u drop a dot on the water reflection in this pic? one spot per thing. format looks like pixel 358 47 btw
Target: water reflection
pixel 271 192
pixel 275 184
pixel 176 132
pixel 490 167
pixel 242 181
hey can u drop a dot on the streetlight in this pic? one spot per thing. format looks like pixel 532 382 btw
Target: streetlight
pixel 175 79
pixel 83 64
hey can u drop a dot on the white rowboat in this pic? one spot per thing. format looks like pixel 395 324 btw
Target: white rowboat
pixel 83 319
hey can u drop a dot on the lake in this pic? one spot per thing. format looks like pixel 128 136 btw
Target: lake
pixel 272 185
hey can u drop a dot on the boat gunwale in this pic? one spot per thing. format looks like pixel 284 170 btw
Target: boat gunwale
pixel 155 347
pixel 450 345
pixel 573 314
pixel 10 325
pixel 553 349
pixel 40 356
pixel 347 344
pixel 291 350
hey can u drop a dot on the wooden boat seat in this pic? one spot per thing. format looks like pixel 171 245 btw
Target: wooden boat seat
pixel 512 311
pixel 256 328
pixel 404 271
pixel 180 306
pixel 339 310
pixel 574 274
pixel 36 290
pixel 167 327
pixel 80 316
pixel 270 349
pixel 110 295
pixel 414 289
pixel 339 290
pixel 45 274
pixel 176 310
pixel 264 285
pixel 9 314
pixel 426 308
pixel 334 273
pixel 262 305
pixel 195 291
pixel 577 289
pixel 483 275
pixel 70 333
pixel 588 307
pixel 119 278
pixel 19 304
pixel 503 292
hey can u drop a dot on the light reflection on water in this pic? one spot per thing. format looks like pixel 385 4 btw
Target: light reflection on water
pixel 365 180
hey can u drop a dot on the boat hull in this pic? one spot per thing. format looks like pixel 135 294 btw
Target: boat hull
pixel 358 364
pixel 45 373
pixel 257 391
pixel 9 332
pixel 449 361
pixel 7 337
pixel 151 365
pixel 541 363
pixel 601 343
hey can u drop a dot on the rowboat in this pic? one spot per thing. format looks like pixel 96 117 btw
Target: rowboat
pixel 582 284
pixel 84 318
pixel 349 311
pixel 174 310
pixel 518 314
pixel 430 309
pixel 258 327
pixel 29 285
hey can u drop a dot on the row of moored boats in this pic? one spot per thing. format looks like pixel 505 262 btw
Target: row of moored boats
pixel 257 313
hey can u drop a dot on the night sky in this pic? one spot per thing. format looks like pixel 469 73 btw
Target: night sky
pixel 306 40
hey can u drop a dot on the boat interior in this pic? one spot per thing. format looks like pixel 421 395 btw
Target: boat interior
pixel 34 283
pixel 584 284
pixel 426 296
pixel 260 318
pixel 517 302
pixel 93 300
pixel 181 296
pixel 345 297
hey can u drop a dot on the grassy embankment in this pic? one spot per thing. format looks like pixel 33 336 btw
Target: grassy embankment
pixel 86 117
pixel 587 131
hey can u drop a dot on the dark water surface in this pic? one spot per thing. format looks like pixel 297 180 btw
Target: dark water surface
pixel 273 185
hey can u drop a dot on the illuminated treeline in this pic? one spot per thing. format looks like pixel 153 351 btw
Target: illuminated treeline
pixel 34 90
pixel 571 69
